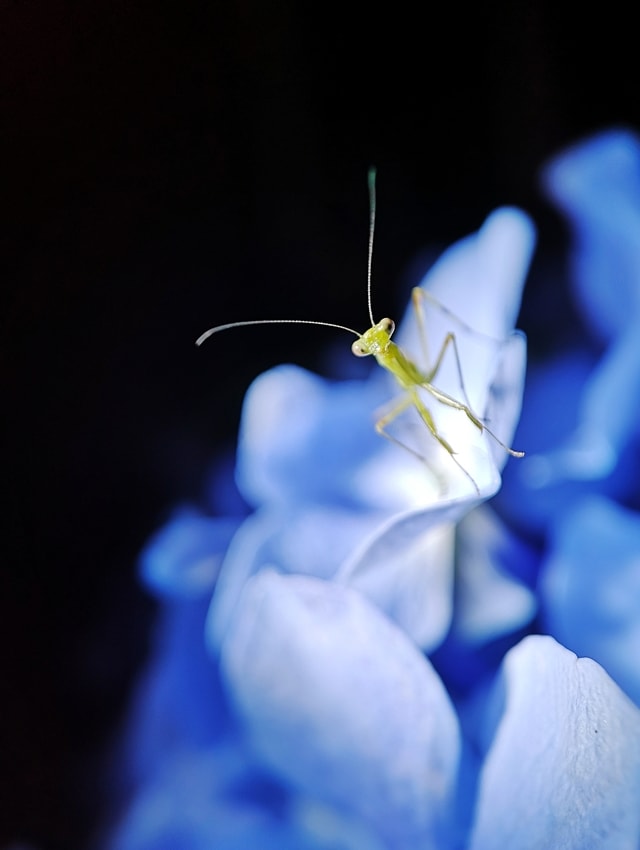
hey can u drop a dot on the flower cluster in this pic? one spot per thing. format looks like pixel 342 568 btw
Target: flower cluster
pixel 360 653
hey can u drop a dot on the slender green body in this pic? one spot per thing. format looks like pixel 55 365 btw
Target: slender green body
pixel 377 341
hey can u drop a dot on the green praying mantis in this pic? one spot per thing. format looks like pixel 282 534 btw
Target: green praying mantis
pixel 412 380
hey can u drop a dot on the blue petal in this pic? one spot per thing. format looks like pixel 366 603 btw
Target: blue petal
pixel 481 278
pixel 537 487
pixel 563 768
pixel 178 700
pixel 302 437
pixel 182 559
pixel 602 407
pixel 490 601
pixel 611 399
pixel 590 587
pixel 407 572
pixel 341 705
pixel 496 572
pixel 597 184
pixel 218 800
pixel 306 538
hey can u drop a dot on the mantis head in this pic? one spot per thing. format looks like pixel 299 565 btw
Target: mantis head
pixel 375 340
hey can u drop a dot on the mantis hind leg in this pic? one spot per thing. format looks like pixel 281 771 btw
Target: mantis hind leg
pixel 418 296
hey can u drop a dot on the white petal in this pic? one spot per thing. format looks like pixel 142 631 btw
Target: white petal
pixel 489 601
pixel 408 574
pixel 341 705
pixel 563 770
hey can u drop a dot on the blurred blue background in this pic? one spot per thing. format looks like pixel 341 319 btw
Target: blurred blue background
pixel 165 169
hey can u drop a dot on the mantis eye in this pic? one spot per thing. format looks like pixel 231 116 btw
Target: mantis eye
pixel 358 349
pixel 388 325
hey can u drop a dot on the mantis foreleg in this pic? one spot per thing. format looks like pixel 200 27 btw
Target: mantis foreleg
pixel 412 399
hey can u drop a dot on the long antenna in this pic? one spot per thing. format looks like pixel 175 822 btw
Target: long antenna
pixel 218 328
pixel 372 228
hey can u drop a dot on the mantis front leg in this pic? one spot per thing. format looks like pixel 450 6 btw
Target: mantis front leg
pixel 457 405
pixel 412 399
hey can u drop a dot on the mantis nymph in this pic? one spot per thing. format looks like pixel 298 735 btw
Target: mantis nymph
pixel 411 378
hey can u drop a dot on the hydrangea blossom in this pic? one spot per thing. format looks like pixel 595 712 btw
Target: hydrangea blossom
pixel 335 500
pixel 369 658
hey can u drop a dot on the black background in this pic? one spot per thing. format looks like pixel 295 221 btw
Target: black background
pixel 164 169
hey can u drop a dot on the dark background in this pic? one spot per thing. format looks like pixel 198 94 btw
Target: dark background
pixel 164 169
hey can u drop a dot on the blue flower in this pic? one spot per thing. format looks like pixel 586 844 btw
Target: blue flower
pixel 376 659
pixel 333 499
